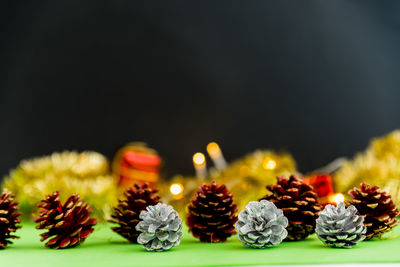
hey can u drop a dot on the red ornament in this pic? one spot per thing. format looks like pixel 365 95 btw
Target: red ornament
pixel 322 184
pixel 136 163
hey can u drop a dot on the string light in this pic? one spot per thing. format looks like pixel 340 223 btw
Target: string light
pixel 199 158
pixel 176 189
pixel 199 162
pixel 269 164
pixel 216 156
pixel 213 149
pixel 338 198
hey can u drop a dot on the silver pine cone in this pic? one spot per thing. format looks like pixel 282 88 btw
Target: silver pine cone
pixel 261 224
pixel 340 226
pixel 160 227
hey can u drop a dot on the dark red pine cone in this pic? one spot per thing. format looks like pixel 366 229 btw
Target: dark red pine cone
pixel 126 214
pixel 68 225
pixel 378 208
pixel 212 214
pixel 299 203
pixel 9 218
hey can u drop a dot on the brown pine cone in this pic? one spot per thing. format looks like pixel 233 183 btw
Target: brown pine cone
pixel 126 214
pixel 212 214
pixel 68 225
pixel 378 208
pixel 299 203
pixel 9 218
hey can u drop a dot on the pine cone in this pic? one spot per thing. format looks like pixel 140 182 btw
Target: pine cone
pixel 340 227
pixel 299 204
pixel 378 208
pixel 126 214
pixel 68 225
pixel 212 214
pixel 9 218
pixel 160 227
pixel 261 224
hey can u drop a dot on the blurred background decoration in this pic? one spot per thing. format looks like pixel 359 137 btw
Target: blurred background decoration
pixel 245 177
pixel 379 164
pixel 85 173
pixel 88 174
pixel 317 80
pixel 136 163
pixel 248 176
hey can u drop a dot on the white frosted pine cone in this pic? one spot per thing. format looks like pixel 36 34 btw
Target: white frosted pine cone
pixel 340 226
pixel 261 224
pixel 160 227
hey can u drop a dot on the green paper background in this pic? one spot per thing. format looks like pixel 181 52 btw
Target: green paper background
pixel 105 248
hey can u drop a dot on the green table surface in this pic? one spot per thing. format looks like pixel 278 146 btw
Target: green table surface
pixel 105 248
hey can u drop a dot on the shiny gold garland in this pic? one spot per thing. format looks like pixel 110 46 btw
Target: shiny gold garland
pixel 379 164
pixel 246 178
pixel 86 174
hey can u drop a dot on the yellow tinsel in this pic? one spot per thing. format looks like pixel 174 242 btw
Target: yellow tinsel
pixel 86 174
pixel 379 164
pixel 246 178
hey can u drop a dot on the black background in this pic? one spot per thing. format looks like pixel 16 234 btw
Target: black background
pixel 316 78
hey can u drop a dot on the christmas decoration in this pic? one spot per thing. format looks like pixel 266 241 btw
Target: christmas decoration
pixel 127 213
pixel 86 173
pixel 338 226
pixel 68 225
pixel 9 218
pixel 379 164
pixel 160 227
pixel 216 156
pixel 299 204
pixel 212 213
pixel 322 184
pixel 247 176
pixel 136 163
pixel 261 224
pixel 188 186
pixel 200 165
pixel 378 208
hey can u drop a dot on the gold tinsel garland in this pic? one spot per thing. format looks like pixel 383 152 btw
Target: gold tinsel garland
pixel 246 178
pixel 86 174
pixel 379 164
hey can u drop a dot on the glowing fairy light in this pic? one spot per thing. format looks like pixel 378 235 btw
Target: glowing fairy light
pixel 216 156
pixel 269 164
pixel 338 198
pixel 199 159
pixel 176 189
pixel 213 149
pixel 200 166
